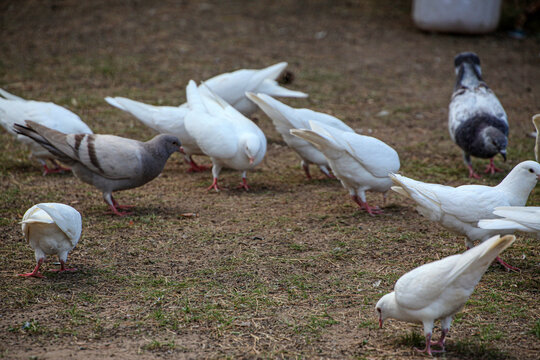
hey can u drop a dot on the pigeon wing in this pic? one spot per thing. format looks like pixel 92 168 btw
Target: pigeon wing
pixel 110 156
pixel 66 218
pixel 374 155
pixel 214 136
pixel 422 286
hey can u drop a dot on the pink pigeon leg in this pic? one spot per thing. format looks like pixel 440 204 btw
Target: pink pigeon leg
pixel 305 166
pixel 365 206
pixel 47 171
pixel 427 349
pixel 491 169
pixel 36 272
pixel 63 268
pixel 508 267
pixel 118 206
pixel 116 212
pixel 441 341
pixel 375 210
pixel 214 185
pixel 193 167
pixel 472 174
pixel 244 184
pixel 58 167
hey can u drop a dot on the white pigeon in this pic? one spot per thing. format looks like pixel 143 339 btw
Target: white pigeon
pixel 520 218
pixel 459 209
pixel 223 133
pixel 108 162
pixel 231 87
pixel 14 109
pixel 360 162
pixel 440 289
pixel 536 122
pixel 51 229
pixel 476 119
pixel 286 118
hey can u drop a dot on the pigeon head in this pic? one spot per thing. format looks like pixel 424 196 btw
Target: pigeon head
pixel 521 180
pixel 495 141
pixel 165 145
pixel 468 70
pixel 529 170
pixel 252 147
pixel 385 307
pixel 466 57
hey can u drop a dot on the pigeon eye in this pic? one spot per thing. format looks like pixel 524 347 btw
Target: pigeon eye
pixel 531 170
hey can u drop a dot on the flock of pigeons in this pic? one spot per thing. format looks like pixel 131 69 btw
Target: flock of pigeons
pixel 214 122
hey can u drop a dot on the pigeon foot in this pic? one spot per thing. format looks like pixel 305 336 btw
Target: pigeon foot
pixel 491 169
pixel 55 170
pixel 243 185
pixel 193 167
pixel 116 212
pixel 306 170
pixel 63 268
pixel 472 174
pixel 32 274
pixel 375 210
pixel 508 267
pixel 440 343
pixel 36 272
pixel 118 206
pixel 213 186
pixel 427 349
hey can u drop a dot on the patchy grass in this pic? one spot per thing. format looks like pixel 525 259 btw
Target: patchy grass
pixel 291 269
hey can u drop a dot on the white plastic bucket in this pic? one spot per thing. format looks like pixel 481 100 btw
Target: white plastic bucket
pixel 457 16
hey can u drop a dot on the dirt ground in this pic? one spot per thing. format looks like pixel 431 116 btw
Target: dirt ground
pixel 292 268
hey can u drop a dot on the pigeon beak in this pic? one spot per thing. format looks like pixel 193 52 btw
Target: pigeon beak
pixel 380 323
pixel 503 153
pixel 181 149
pixel 251 160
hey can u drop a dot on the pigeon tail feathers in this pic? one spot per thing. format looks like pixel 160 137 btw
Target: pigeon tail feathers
pixel 271 72
pixel 271 87
pixel 10 96
pixel 114 102
pixel 66 220
pixel 318 140
pixel 194 98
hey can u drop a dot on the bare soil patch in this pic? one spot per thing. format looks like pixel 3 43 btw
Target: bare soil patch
pixel 291 269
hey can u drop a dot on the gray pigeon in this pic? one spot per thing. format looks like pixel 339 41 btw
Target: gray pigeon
pixel 476 119
pixel 108 162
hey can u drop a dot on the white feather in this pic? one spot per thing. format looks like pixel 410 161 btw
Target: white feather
pixel 459 209
pixel 521 218
pixel 231 87
pixel 439 289
pixel 360 162
pixel 52 229
pixel 286 118
pixel 222 132
pixel 15 110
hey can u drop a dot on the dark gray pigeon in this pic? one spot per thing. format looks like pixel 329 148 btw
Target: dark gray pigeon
pixel 477 121
pixel 108 162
